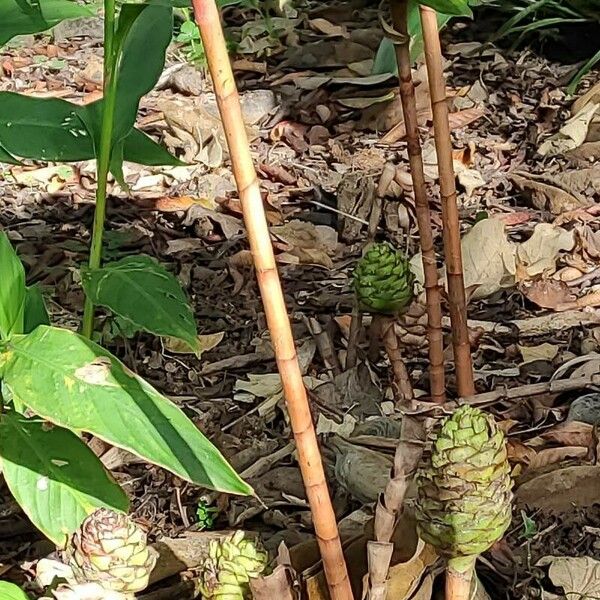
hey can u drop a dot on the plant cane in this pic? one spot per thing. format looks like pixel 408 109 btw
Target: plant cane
pixel 432 289
pixel 450 218
pixel 208 19
pixel 109 89
pixel 464 494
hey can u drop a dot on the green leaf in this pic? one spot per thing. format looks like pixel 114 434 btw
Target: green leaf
pixel 155 23
pixel 12 289
pixel 9 591
pixel 74 383
pixel 52 129
pixel 140 148
pixel 141 290
pixel 18 18
pixel 456 8
pixel 43 128
pixel 35 309
pixel 54 476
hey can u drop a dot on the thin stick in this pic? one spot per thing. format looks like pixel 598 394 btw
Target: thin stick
pixel 452 250
pixel 458 584
pixel 433 292
pixel 311 466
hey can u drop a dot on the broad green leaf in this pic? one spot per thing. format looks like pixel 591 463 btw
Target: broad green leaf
pixel 155 23
pixel 35 309
pixel 140 148
pixel 54 476
pixel 52 129
pixel 456 8
pixel 12 289
pixel 141 290
pixel 74 383
pixel 9 591
pixel 43 128
pixel 18 18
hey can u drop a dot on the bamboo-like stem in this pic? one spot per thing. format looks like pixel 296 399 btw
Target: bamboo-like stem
pixel 311 466
pixel 433 292
pixel 109 87
pixel 451 229
pixel 458 583
pixel 403 390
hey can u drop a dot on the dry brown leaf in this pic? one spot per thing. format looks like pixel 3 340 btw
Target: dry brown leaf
pixel 561 489
pixel 592 298
pixel 546 195
pixel 579 576
pixel 571 433
pixel 551 456
pixel 462 118
pixel 572 134
pixel 547 293
pixel 539 253
pixel 518 452
pixel 488 258
pixel 327 28
pixel 206 342
pixel 543 351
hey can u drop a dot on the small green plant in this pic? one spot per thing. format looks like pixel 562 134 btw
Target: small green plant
pixel 189 36
pixel 56 385
pixel 545 18
pixel 206 514
pixel 529 526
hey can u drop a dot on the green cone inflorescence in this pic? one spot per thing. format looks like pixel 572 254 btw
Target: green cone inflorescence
pixel 464 494
pixel 383 281
pixel 230 565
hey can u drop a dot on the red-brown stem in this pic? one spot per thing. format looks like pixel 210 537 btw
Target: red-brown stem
pixel 402 386
pixel 458 585
pixel 451 229
pixel 309 457
pixel 433 292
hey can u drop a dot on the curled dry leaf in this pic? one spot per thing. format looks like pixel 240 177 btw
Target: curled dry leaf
pixel 488 258
pixel 571 433
pixel 547 293
pixel 551 456
pixel 307 243
pixel 546 195
pixel 579 577
pixel 539 253
pixel 205 342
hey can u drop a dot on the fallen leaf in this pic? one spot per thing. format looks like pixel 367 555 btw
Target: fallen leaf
pixel 546 195
pixel 470 179
pixel 488 258
pixel 551 456
pixel 308 243
pixel 578 576
pixel 570 433
pixel 539 253
pixel 547 293
pixel 543 351
pixel 562 489
pixel 329 29
pixel 206 342
pixel 572 134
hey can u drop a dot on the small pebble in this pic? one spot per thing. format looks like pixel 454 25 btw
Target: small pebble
pixel 585 409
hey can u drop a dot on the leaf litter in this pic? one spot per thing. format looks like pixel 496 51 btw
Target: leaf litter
pixel 327 139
